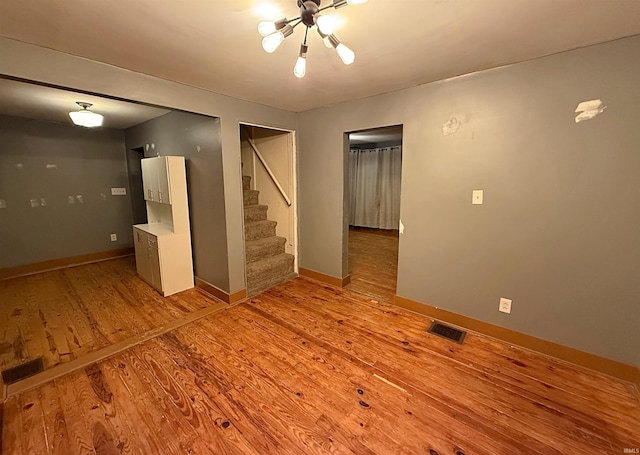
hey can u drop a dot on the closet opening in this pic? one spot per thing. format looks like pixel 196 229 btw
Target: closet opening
pixel 373 192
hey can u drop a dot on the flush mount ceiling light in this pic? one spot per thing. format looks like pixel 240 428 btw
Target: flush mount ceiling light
pixel 275 32
pixel 85 117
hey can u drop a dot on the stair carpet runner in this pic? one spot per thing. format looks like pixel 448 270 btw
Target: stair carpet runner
pixel 267 262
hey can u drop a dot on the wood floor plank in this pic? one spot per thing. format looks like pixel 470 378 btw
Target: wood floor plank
pixel 34 439
pixel 266 385
pixel 80 440
pixel 54 320
pixel 12 427
pixel 153 431
pixel 217 423
pixel 253 392
pixel 199 418
pixel 110 432
pixel 54 420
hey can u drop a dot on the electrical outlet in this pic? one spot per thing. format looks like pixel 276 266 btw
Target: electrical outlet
pixel 505 305
pixel 118 191
pixel 114 237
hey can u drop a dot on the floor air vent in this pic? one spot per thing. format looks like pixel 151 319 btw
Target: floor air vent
pixel 445 331
pixel 23 371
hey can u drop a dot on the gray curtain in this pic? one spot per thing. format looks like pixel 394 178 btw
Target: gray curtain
pixel 374 187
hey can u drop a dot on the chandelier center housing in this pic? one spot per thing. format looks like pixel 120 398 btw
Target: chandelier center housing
pixel 308 11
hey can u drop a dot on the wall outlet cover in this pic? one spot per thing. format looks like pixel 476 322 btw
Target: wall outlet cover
pixel 118 191
pixel 114 237
pixel 505 305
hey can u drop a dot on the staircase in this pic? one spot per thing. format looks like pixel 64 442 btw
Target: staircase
pixel 267 263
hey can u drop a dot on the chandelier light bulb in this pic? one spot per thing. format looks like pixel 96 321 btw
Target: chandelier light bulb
pixel 340 3
pixel 266 28
pixel 326 24
pixel 301 64
pixel 301 67
pixel 271 42
pixel 346 54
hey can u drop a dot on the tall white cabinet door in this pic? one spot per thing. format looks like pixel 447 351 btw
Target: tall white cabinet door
pixel 148 172
pixel 164 187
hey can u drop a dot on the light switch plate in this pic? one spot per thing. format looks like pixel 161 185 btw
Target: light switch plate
pixel 477 197
pixel 118 191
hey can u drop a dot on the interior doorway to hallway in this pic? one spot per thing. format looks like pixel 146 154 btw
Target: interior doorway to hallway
pixel 136 191
pixel 374 182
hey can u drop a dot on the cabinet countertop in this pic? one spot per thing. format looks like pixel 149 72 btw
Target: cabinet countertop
pixel 157 229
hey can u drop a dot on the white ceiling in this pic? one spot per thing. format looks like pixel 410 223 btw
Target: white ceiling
pixel 214 44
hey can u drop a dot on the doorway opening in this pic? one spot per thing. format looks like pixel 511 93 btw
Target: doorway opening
pixel 373 217
pixel 269 198
pixel 136 190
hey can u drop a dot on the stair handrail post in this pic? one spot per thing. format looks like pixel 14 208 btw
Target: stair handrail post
pixel 268 169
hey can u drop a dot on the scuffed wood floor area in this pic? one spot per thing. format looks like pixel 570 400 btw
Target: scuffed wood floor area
pixel 373 262
pixel 305 368
pixel 64 314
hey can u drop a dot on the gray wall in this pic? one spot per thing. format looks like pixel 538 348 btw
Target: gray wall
pixel 197 138
pixel 87 164
pixel 559 230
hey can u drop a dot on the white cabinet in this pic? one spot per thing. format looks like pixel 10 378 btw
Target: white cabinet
pixel 156 178
pixel 163 245
pixel 147 258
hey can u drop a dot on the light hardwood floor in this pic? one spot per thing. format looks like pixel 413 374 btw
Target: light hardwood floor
pixel 65 314
pixel 373 262
pixel 306 368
